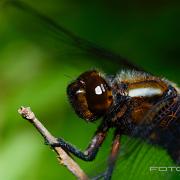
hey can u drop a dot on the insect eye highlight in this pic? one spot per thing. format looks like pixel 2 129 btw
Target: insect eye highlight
pixel 99 89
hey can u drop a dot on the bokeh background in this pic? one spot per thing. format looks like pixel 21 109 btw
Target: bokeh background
pixel 36 67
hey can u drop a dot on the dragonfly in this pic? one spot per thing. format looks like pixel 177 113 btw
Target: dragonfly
pixel 134 102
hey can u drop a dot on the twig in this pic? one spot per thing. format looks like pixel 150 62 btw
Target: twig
pixel 63 157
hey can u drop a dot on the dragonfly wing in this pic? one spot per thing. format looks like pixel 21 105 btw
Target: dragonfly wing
pixel 69 37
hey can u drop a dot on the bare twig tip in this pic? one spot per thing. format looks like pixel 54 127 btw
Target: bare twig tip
pixel 26 113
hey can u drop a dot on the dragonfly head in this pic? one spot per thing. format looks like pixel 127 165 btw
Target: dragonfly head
pixel 90 95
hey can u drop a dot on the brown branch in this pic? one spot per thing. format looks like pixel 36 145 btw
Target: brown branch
pixel 63 157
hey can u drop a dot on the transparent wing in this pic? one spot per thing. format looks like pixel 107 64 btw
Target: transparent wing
pixel 68 37
pixel 134 161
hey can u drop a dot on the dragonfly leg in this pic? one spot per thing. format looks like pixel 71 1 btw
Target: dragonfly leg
pixel 112 158
pixel 90 153
pixel 113 155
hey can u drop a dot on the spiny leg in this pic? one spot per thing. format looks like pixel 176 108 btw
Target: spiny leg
pixel 92 149
pixel 112 158
pixel 113 155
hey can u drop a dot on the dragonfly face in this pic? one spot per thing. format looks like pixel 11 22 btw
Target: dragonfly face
pixel 90 95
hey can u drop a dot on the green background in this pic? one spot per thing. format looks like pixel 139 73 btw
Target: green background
pixel 35 69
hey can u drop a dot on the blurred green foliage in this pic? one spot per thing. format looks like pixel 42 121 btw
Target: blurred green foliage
pixel 35 69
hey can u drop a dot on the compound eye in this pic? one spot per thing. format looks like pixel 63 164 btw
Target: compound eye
pixel 90 95
pixel 98 94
